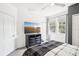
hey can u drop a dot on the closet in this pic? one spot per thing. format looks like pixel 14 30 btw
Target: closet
pixel 7 29
pixel 7 34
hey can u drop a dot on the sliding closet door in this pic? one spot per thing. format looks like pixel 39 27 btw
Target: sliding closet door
pixel 75 30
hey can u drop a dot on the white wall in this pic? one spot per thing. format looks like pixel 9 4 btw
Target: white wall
pixel 43 31
pixel 20 41
pixel 8 16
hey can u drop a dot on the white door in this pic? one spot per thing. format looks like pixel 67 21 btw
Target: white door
pixel 9 31
pixel 1 35
pixel 75 30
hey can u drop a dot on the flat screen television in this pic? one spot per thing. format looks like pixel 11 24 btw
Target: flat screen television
pixel 30 27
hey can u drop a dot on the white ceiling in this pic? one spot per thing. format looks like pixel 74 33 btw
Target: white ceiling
pixel 45 9
pixel 31 6
pixel 37 6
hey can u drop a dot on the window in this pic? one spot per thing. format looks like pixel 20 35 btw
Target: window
pixel 62 27
pixel 53 26
pixel 62 23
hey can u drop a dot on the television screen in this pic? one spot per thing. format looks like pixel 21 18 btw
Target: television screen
pixel 30 27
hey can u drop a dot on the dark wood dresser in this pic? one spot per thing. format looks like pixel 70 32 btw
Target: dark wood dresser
pixel 32 39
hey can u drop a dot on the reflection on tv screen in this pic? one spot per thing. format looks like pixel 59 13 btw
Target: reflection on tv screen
pixel 30 29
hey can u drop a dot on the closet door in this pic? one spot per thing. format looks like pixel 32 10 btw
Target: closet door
pixel 1 35
pixel 13 32
pixel 75 30
pixel 9 31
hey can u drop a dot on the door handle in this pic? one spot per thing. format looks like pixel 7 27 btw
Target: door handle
pixel 13 35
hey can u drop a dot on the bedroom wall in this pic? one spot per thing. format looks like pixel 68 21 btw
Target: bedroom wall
pixel 73 9
pixel 20 41
pixel 8 16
